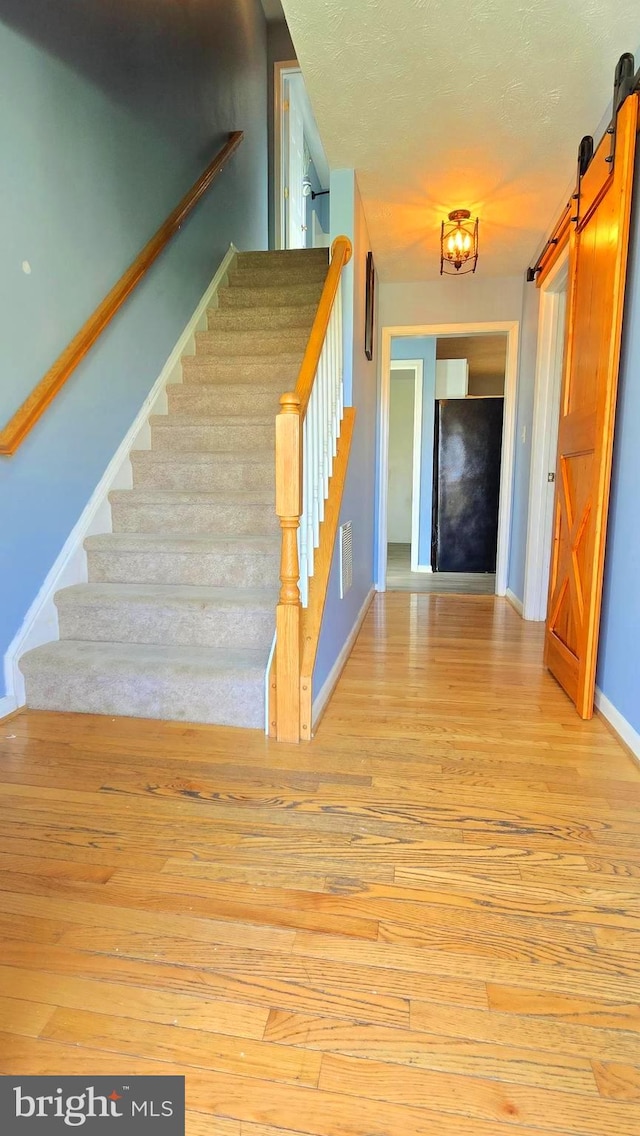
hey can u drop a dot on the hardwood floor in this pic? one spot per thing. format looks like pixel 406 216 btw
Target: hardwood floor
pixel 425 921
pixel 400 578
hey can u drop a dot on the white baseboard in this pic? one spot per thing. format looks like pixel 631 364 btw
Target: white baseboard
pixel 40 624
pixel 7 706
pixel 619 725
pixel 328 687
pixel 515 602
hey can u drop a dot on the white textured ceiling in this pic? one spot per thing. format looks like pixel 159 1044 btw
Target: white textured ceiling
pixel 441 104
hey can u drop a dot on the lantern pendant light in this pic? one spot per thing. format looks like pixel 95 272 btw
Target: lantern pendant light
pixel 459 243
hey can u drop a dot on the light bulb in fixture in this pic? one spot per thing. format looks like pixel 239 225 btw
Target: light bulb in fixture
pixel 459 243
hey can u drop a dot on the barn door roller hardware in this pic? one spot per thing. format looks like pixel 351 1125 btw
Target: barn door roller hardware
pixel 625 82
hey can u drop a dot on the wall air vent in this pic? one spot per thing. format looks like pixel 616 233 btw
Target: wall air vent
pixel 346 558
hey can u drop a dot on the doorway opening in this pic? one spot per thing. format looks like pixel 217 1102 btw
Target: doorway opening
pixel 544 438
pixel 446 452
pixel 405 450
pixel 301 167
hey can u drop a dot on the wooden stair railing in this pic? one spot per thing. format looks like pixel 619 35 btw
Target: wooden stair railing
pixel 43 394
pixel 313 439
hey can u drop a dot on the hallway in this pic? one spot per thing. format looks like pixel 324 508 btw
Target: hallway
pixel 425 921
pixel 400 578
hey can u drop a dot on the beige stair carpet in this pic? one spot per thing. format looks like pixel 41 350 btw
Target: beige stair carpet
pixel 178 616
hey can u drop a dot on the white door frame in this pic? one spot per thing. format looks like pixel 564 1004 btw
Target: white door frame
pixel 512 329
pixel 281 72
pixel 544 438
pixel 417 366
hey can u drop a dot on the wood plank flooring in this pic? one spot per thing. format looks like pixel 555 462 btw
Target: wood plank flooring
pixel 400 578
pixel 427 920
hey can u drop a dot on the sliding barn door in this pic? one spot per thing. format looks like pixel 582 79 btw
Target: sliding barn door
pixel 597 270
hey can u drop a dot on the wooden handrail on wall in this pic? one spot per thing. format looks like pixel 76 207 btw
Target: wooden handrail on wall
pixel 297 633
pixel 36 403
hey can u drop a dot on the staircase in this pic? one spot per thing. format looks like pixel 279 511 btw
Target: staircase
pixel 178 615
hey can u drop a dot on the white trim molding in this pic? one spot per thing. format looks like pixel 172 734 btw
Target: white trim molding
pixel 544 438
pixel 512 330
pixel 7 706
pixel 40 624
pixel 514 601
pixel 324 694
pixel 620 726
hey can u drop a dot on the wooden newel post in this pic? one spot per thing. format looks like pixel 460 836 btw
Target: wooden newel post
pixel 288 508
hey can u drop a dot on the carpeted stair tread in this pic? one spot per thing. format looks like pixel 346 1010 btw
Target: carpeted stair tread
pixel 256 341
pixel 189 684
pixel 272 294
pixel 262 316
pixel 200 471
pixel 223 398
pixel 248 276
pixel 214 369
pixel 169 614
pixel 223 597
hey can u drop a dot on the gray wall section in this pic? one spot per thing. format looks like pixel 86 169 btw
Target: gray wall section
pixel 108 113
pixel 280 49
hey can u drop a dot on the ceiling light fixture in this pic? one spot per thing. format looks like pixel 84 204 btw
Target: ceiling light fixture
pixel 459 243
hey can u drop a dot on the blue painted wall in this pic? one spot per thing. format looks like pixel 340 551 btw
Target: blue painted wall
pixel 360 386
pixel 108 113
pixel 619 661
pixel 423 347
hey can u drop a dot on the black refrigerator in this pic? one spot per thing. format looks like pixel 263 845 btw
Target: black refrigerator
pixel 466 484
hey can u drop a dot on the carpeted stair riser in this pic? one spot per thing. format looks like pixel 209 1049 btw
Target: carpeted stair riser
pixel 207 562
pixel 223 436
pixel 147 511
pixel 258 342
pixel 266 277
pixel 227 399
pixel 262 318
pixel 282 370
pixel 184 684
pixel 280 295
pixel 283 258
pixel 177 616
pixel 201 473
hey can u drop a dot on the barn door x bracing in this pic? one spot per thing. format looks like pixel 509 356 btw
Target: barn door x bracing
pixel 597 270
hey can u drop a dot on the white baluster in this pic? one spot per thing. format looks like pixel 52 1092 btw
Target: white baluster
pixel 315 449
pixel 303 538
pixel 324 383
pixel 327 443
pixel 338 308
pixel 335 388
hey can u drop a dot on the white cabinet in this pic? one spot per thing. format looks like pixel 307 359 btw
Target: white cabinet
pixel 452 378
